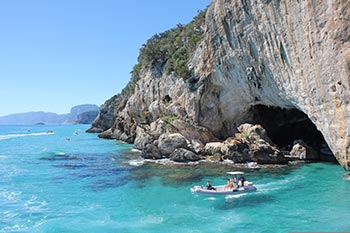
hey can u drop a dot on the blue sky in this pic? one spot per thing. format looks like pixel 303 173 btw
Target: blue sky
pixel 55 54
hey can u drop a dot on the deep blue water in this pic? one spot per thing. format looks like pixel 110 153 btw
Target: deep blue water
pixel 87 184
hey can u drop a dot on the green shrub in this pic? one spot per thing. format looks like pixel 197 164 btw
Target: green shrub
pixel 168 126
pixel 188 123
pixel 172 49
pixel 171 118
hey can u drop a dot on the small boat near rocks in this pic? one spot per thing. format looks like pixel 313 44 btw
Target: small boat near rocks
pixel 239 185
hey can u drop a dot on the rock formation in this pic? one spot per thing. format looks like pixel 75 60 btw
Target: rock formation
pixel 251 144
pixel 286 55
pixel 302 151
pixel 86 117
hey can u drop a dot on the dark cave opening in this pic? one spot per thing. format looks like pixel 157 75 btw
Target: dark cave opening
pixel 284 126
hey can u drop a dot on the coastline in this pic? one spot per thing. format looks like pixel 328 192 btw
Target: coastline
pixel 248 165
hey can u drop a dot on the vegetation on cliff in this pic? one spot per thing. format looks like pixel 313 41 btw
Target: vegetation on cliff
pixel 172 49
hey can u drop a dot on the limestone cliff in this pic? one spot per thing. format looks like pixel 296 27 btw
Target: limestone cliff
pixel 290 54
pixel 256 57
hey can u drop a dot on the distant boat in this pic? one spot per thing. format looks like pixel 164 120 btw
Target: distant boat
pixel 50 132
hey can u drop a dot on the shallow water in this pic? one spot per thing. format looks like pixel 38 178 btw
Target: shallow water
pixel 86 184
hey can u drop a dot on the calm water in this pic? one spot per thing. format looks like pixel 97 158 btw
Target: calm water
pixel 86 184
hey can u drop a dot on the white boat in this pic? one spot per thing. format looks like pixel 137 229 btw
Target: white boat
pixel 239 186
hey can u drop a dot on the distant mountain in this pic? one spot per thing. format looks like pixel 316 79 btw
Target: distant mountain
pixel 31 118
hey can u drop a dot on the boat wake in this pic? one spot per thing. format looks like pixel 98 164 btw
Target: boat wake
pixel 277 185
pixel 60 153
pixel 9 136
pixel 228 197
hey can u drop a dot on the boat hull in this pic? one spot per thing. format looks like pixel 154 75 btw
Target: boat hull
pixel 220 190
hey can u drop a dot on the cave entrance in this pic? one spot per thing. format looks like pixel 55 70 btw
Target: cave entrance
pixel 284 126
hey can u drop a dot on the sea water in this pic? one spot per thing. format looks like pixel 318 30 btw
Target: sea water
pixel 70 181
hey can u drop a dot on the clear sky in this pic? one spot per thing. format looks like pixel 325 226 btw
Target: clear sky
pixel 55 54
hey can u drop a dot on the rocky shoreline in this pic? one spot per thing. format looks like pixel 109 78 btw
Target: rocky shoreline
pixel 136 160
pixel 250 145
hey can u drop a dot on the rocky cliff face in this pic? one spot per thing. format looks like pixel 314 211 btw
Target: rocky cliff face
pixel 106 116
pixel 290 54
pixel 279 56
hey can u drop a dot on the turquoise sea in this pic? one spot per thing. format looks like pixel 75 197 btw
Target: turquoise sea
pixel 86 184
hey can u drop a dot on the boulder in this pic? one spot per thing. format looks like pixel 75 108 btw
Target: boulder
pixel 302 151
pixel 183 155
pixel 196 145
pixel 217 157
pixel 150 151
pixel 167 143
pixel 212 148
pixel 142 138
pixel 265 154
pixel 236 150
pixel 261 148
pixel 253 133
pixel 251 144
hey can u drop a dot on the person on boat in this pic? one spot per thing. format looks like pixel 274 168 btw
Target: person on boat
pixel 242 179
pixel 235 182
pixel 229 184
pixel 209 186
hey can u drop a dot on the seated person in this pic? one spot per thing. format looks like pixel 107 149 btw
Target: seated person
pixel 209 187
pixel 229 184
